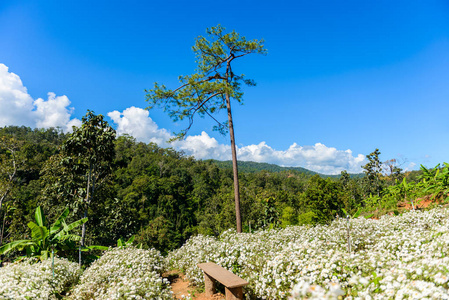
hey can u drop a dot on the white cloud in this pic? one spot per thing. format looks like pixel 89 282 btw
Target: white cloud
pixel 15 102
pixel 203 147
pixel 137 123
pixel 73 122
pixel 411 166
pixel 54 112
pixel 18 107
pixel 320 158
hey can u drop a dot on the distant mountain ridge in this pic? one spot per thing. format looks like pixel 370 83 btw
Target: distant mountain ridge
pixel 254 167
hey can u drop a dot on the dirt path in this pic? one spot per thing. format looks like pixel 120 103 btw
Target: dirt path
pixel 418 203
pixel 181 289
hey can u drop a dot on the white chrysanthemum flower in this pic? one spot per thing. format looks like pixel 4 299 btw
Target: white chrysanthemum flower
pixel 34 280
pixel 125 273
pixel 391 256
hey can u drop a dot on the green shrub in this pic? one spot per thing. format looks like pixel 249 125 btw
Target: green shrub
pixel 307 218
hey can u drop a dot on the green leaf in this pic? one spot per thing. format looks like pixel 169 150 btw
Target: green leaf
pixel 69 227
pixel 131 240
pixel 98 247
pixel 44 255
pixel 69 237
pixel 58 223
pixel 16 245
pixel 38 233
pixel 39 217
pixel 75 224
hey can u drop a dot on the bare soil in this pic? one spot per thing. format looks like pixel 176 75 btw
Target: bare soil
pixel 419 203
pixel 181 288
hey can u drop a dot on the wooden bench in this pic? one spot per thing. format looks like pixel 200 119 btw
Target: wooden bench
pixel 232 283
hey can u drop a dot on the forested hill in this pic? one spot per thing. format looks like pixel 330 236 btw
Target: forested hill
pixel 255 167
pixel 162 197
pixel 158 195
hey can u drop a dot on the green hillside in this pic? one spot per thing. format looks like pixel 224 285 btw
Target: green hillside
pixel 255 167
pixel 162 197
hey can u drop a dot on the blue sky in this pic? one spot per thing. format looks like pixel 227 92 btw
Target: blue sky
pixel 340 78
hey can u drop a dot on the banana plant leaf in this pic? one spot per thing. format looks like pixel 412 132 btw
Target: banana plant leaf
pixel 16 245
pixel 95 247
pixel 43 238
pixel 67 228
pixel 58 223
pixel 39 217
pixel 38 232
pixel 69 238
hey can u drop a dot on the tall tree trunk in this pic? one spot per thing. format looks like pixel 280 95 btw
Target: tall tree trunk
pixel 234 167
pixel 3 227
pixel 3 198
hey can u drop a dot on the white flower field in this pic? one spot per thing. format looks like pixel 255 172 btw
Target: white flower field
pixel 124 273
pixel 395 257
pixel 30 280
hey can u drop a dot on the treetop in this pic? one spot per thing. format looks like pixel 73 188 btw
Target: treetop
pixel 205 92
pixel 216 51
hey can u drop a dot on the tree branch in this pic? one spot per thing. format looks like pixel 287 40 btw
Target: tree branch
pixel 195 109
pixel 186 84
pixel 242 55
pixel 191 116
pixel 219 123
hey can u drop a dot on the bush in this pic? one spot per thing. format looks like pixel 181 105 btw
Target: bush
pixel 125 273
pixel 289 217
pixel 31 280
pixel 307 218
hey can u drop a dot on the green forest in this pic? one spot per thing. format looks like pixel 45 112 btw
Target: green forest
pixel 158 197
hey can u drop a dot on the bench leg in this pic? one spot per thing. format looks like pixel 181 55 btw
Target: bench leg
pixel 234 293
pixel 209 285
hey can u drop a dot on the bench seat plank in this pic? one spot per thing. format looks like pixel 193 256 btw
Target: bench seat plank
pixel 222 275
